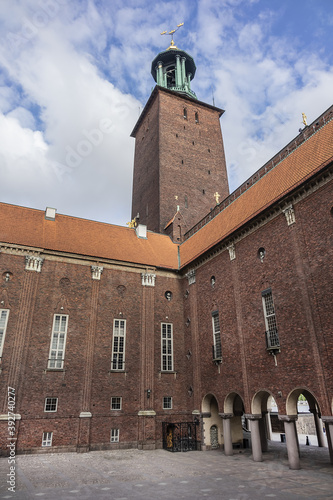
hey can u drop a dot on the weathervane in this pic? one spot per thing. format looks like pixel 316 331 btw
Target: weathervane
pixel 172 45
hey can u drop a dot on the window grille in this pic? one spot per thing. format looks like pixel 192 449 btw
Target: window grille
pixel 217 347
pixel 4 313
pixel 58 342
pixel 51 404
pixel 116 403
pixel 47 439
pixel 272 337
pixel 167 347
pixel 167 403
pixel 118 349
pixel 114 436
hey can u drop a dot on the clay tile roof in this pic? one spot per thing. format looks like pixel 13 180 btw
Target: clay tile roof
pixel 28 227
pixel 301 164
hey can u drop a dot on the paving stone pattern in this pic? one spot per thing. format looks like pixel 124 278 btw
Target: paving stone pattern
pixel 158 474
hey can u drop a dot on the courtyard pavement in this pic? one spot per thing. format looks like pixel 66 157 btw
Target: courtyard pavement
pixel 159 474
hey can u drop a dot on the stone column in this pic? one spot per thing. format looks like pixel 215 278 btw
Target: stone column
pixel 159 74
pixel 227 433
pixel 255 437
pixel 319 428
pixel 268 424
pixel 263 432
pixel 329 434
pixel 178 72
pixel 183 71
pixel 291 440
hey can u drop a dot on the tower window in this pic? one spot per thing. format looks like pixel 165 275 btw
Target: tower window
pixel 208 172
pixel 186 202
pixel 196 117
pixel 185 114
pixel 203 191
pixel 182 162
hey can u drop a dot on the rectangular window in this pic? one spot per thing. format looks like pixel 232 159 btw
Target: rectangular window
pixel 217 347
pixel 167 347
pixel 118 347
pixel 47 439
pixel 272 338
pixel 51 404
pixel 114 436
pixel 58 341
pixel 116 403
pixel 167 403
pixel 4 313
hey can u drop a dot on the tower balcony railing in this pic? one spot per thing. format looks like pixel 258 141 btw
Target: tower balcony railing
pixel 183 90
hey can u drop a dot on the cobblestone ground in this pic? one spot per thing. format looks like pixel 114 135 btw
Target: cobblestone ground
pixel 158 475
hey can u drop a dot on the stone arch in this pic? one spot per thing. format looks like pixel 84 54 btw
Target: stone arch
pixel 260 401
pixel 233 403
pixel 294 423
pixel 234 409
pixel 261 419
pixel 210 418
pixel 292 399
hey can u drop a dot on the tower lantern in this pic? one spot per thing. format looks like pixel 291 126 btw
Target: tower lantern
pixel 174 68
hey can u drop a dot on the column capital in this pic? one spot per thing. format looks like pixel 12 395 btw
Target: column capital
pixel 96 272
pixel 148 279
pixel 33 263
pixel 253 416
pixel 226 415
pixel 289 213
pixel 191 276
pixel 232 251
pixel 328 419
pixel 288 418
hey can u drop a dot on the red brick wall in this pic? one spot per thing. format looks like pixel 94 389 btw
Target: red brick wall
pixel 177 157
pixel 298 269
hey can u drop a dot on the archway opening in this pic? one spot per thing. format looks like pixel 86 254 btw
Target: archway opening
pixel 211 424
pixel 309 426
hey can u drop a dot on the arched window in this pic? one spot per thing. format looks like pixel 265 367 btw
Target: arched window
pixel 185 114
pixel 196 117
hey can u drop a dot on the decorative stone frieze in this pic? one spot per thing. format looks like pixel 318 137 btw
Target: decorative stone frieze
pixel 33 263
pixel 232 251
pixel 289 212
pixel 96 272
pixel 148 279
pixel 191 277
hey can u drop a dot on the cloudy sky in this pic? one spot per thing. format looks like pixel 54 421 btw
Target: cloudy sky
pixel 74 75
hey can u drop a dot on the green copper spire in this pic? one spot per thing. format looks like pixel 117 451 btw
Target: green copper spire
pixel 174 69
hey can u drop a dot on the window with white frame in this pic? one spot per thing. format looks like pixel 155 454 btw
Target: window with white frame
pixel 47 439
pixel 167 403
pixel 116 403
pixel 217 347
pixel 114 436
pixel 4 313
pixel 58 341
pixel 272 338
pixel 167 347
pixel 118 346
pixel 51 404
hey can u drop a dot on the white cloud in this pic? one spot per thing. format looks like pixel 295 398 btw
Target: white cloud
pixel 69 66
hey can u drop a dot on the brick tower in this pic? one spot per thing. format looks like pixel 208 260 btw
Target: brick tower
pixel 179 162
